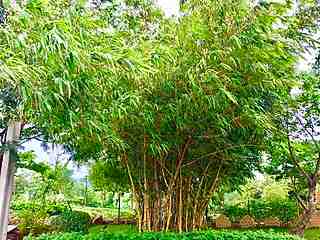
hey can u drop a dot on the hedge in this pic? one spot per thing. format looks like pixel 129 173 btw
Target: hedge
pixel 51 209
pixel 201 235
pixel 72 221
pixel 285 210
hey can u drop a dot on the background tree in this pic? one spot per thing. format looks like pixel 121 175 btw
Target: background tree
pixel 295 146
pixel 50 182
pixel 109 176
pixel 262 199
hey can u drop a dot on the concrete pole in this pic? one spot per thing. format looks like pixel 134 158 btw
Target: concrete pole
pixel 8 168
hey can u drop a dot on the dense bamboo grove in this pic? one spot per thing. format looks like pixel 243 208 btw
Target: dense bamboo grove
pixel 202 126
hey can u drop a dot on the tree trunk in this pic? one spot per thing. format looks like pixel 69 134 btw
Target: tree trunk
pixel 304 219
pixel 156 208
pixel 188 207
pixel 146 197
pixel 8 168
pixel 103 194
pixel 169 214
pixel 169 200
pixel 180 214
pixel 85 202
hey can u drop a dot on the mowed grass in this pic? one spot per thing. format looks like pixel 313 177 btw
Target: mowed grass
pixel 106 213
pixel 310 234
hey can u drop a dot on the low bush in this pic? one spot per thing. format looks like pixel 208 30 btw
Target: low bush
pixel 31 221
pixel 202 235
pixel 32 217
pixel 51 209
pixel 235 213
pixel 72 221
pixel 284 210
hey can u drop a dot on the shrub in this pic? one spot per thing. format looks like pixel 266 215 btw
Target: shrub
pixel 235 213
pixel 32 221
pixel 202 235
pixel 51 209
pixel 72 221
pixel 284 210
pixel 56 209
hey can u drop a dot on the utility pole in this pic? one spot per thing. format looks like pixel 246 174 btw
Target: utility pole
pixel 86 191
pixel 8 168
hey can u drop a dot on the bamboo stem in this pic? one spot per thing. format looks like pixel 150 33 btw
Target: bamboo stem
pixel 180 206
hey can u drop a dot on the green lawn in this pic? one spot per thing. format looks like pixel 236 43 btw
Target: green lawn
pixel 107 213
pixel 312 234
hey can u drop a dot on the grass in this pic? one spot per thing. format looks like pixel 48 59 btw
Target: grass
pixel 312 234
pixel 106 213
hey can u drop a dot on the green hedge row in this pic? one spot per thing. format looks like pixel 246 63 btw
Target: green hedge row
pixel 202 235
pixel 51 209
pixel 285 210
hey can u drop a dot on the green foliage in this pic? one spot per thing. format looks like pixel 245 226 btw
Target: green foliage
pixel 115 229
pixel 205 235
pixel 72 221
pixel 32 219
pixel 217 80
pixel 80 57
pixel 39 183
pixel 235 213
pixel 267 189
pixel 312 234
pixel 33 216
pixel 284 210
pixel 294 146
pixel 261 199
pixel 8 103
pixel 109 176
pixel 50 209
pixel 27 160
